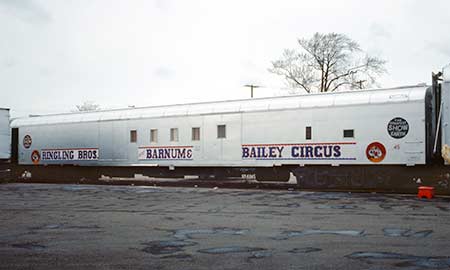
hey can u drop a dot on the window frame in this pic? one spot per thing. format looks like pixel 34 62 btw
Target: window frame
pixel 133 136
pixel 308 133
pixel 224 131
pixel 153 139
pixel 348 130
pixel 193 133
pixel 173 132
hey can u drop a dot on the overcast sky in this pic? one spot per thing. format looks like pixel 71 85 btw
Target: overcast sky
pixel 57 54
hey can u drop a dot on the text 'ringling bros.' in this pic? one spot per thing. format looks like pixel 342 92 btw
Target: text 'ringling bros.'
pixel 69 154
pixel 165 153
pixel 301 151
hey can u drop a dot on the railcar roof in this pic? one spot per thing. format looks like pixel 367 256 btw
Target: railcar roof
pixel 344 98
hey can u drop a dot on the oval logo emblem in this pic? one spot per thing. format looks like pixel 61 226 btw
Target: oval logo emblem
pixel 35 157
pixel 398 128
pixel 27 141
pixel 375 152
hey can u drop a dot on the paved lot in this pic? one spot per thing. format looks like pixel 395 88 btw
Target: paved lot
pixel 107 227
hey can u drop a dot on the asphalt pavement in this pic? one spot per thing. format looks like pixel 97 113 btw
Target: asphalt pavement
pixel 51 226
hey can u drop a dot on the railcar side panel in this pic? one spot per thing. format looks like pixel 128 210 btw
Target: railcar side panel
pixel 444 121
pixel 380 127
pixel 5 135
pixel 284 133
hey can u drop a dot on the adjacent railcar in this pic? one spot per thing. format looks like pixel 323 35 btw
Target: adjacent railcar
pixel 5 144
pixel 372 139
pixel 5 136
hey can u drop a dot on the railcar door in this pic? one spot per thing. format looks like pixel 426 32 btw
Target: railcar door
pixel 105 138
pixel 120 141
pixel 222 139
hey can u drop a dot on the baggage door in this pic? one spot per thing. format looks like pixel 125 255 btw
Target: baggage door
pixel 105 139
pixel 222 139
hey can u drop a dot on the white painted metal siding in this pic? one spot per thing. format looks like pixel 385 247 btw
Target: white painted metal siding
pixel 5 135
pixel 267 121
pixel 328 100
pixel 445 115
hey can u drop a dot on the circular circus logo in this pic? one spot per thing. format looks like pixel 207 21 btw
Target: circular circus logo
pixel 35 157
pixel 27 141
pixel 398 128
pixel 375 152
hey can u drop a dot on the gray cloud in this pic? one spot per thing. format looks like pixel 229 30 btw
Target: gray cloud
pixel 379 31
pixel 8 62
pixel 440 46
pixel 164 73
pixel 162 4
pixel 26 10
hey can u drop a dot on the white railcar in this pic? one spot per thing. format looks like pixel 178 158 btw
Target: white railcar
pixel 385 126
pixel 5 136
pixel 380 139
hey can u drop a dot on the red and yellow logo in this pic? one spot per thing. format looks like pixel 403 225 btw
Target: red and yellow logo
pixel 376 152
pixel 35 157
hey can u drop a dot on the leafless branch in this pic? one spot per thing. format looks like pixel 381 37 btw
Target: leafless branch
pixel 327 62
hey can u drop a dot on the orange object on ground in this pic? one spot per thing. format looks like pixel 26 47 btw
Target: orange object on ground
pixel 425 192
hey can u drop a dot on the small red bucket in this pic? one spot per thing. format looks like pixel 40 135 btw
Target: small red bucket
pixel 425 192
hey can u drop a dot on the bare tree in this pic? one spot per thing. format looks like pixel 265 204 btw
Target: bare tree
pixel 327 62
pixel 88 106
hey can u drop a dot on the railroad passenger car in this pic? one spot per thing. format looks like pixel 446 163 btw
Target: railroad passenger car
pixel 373 139
pixel 5 136
pixel 5 144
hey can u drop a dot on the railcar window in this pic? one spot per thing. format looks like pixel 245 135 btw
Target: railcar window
pixel 133 136
pixel 308 133
pixel 174 134
pixel 221 131
pixel 154 135
pixel 196 134
pixel 349 133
